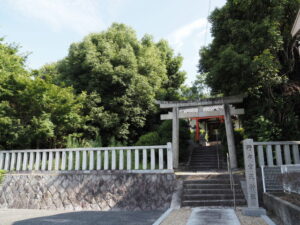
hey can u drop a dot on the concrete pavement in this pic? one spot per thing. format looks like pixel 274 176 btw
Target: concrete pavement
pixel 202 216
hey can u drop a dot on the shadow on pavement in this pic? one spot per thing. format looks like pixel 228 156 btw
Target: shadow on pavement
pixel 96 218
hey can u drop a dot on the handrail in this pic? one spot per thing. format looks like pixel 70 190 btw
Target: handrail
pixel 218 158
pixel 218 151
pixel 231 180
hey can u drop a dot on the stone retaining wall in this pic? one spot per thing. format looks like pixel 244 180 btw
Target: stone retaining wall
pixel 287 213
pixel 96 190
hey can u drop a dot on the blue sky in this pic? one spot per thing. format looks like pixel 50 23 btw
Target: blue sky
pixel 46 28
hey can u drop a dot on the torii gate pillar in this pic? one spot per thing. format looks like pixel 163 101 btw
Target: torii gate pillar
pixel 175 137
pixel 230 136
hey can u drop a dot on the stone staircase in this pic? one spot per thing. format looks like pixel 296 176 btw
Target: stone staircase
pixel 211 191
pixel 206 158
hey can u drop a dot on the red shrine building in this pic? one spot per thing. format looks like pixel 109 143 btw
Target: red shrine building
pixel 206 128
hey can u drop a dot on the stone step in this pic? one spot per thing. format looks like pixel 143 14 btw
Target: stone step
pixel 197 165
pixel 199 168
pixel 211 191
pixel 207 181
pixel 220 176
pixel 207 153
pixel 203 163
pixel 207 186
pixel 212 196
pixel 202 168
pixel 223 180
pixel 204 153
pixel 227 202
pixel 205 157
pixel 205 160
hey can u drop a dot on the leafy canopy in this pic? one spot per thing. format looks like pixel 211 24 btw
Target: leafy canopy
pixel 252 53
pixel 127 74
pixel 33 112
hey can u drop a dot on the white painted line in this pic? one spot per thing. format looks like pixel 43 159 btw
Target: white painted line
pixel 162 217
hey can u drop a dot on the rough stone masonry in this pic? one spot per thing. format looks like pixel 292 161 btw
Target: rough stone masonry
pixel 95 190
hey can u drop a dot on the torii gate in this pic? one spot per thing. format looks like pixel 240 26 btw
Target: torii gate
pixel 227 110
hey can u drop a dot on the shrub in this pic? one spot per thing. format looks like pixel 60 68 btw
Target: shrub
pixel 151 138
pixel 163 135
pixel 2 174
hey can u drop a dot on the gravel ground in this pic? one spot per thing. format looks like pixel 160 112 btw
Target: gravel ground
pixel 247 220
pixel 178 217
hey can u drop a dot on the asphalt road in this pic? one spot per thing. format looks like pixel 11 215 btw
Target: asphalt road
pixel 46 217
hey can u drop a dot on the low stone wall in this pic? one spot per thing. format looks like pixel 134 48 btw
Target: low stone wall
pixel 288 213
pixel 95 190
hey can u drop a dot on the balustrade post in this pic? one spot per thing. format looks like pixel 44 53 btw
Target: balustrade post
pixel 169 156
pixel 1 160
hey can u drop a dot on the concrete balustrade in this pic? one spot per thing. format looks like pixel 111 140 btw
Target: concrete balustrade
pixel 277 153
pixel 108 158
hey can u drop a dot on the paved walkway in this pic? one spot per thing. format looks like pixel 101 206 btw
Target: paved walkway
pixel 201 216
pixel 47 217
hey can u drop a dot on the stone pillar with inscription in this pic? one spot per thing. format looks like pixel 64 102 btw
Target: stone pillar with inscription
pixel 251 182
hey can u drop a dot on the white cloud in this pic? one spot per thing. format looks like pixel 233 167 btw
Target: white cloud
pixel 178 37
pixel 81 16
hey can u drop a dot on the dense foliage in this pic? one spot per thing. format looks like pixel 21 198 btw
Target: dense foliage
pixel 253 53
pixel 33 112
pixel 125 75
pixel 102 93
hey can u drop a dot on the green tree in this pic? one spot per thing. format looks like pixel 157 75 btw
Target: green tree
pixel 252 54
pixel 127 74
pixel 198 90
pixel 33 112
